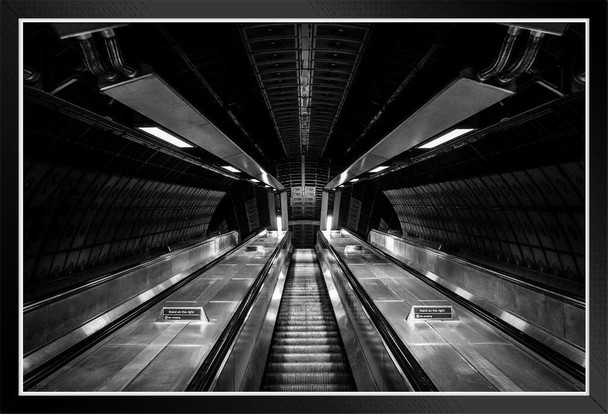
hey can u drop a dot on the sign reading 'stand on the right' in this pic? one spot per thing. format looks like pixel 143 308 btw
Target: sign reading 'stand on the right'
pixel 182 313
pixel 434 312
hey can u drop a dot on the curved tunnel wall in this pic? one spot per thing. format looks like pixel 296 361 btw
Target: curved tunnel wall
pixel 95 202
pixel 77 220
pixel 365 207
pixel 244 208
pixel 532 218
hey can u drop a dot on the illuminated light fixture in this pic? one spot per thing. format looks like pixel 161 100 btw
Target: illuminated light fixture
pixel 379 168
pixel 341 185
pixel 165 136
pixel 455 133
pixel 329 222
pixel 266 186
pixel 230 168
pixel 253 180
pixel 354 180
pixel 279 224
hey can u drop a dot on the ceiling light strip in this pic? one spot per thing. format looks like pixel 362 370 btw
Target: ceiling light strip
pixel 165 136
pixel 449 136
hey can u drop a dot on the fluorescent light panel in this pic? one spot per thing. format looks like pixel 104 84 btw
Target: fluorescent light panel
pixel 379 168
pixel 455 133
pixel 165 136
pixel 230 168
pixel 354 180
pixel 253 180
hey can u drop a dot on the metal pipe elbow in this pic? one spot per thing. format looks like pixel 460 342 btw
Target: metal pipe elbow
pixel 115 55
pixel 91 58
pixel 526 59
pixel 503 56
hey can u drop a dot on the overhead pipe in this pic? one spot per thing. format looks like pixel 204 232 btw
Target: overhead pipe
pixel 30 75
pixel 525 60
pixel 113 50
pixel 503 57
pixel 91 58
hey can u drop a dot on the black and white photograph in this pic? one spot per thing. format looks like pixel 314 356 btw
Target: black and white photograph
pixel 330 210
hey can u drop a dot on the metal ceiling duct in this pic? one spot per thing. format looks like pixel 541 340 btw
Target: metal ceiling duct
pixel 460 100
pixel 152 97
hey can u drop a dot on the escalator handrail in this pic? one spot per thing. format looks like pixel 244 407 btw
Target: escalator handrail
pixel 561 361
pixel 416 376
pixel 72 290
pixel 206 374
pixel 566 297
pixel 47 368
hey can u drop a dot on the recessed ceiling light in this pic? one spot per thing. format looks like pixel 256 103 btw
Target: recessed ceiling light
pixel 379 168
pixel 230 168
pixel 455 133
pixel 253 180
pixel 165 136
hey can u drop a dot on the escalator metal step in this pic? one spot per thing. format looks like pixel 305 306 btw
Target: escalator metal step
pixel 307 387
pixel 306 357
pixel 298 349
pixel 316 327
pixel 307 377
pixel 308 341
pixel 303 367
pixel 305 334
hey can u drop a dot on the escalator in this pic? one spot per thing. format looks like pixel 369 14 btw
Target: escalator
pixel 306 352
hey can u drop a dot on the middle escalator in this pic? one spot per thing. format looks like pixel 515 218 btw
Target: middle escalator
pixel 306 352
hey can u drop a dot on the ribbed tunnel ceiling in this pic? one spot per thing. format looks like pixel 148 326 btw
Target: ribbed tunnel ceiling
pixel 304 71
pixel 306 99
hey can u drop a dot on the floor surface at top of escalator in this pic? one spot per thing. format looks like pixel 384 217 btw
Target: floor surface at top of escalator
pixel 306 353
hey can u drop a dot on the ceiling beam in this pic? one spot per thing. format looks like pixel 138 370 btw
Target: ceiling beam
pixel 460 100
pixel 152 97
